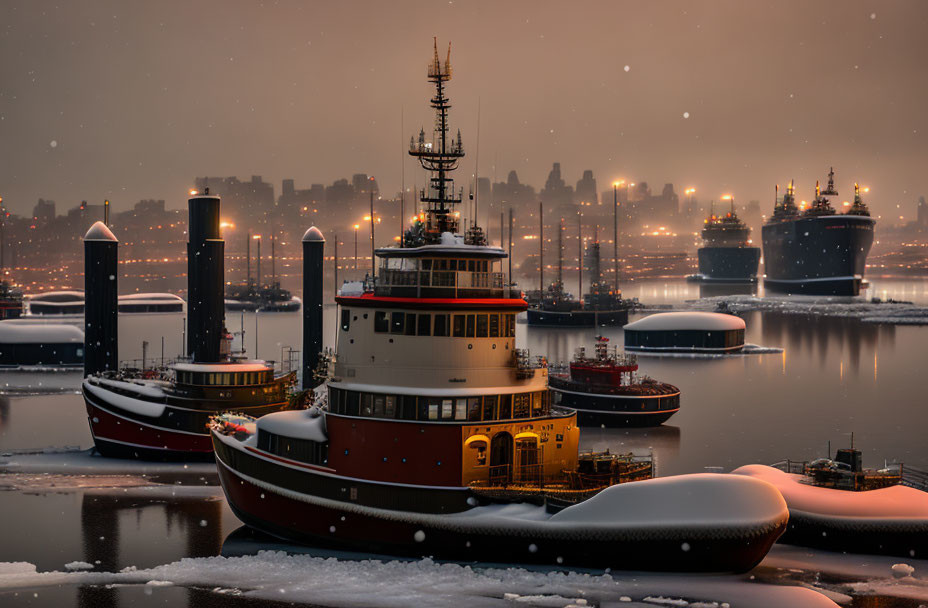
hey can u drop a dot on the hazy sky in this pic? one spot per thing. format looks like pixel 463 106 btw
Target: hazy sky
pixel 131 100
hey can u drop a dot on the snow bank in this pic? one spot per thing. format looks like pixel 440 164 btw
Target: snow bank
pixel 675 321
pixel 896 502
pixel 298 424
pixel 387 584
pixel 699 500
pixel 136 406
pixel 827 306
pixel 351 288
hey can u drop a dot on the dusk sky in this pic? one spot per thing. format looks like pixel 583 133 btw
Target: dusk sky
pixel 131 100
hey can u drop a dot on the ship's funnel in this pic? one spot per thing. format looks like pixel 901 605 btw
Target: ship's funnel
pixel 205 275
pixel 100 300
pixel 313 252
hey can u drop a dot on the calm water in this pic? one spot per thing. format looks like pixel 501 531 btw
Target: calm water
pixel 834 377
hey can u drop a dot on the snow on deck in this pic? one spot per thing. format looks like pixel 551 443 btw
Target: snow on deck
pixel 276 575
pixel 895 502
pixel 40 333
pixel 298 424
pixel 698 500
pixel 679 321
pixel 130 404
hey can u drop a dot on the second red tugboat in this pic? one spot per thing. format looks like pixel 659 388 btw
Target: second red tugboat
pixel 607 391
pixel 164 414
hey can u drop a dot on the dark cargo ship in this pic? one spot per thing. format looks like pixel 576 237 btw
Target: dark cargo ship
pixel 606 390
pixel 817 251
pixel 727 255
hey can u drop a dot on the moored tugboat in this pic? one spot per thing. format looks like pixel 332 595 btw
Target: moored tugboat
pixel 602 306
pixel 439 437
pixel 606 390
pixel 164 414
pixel 838 505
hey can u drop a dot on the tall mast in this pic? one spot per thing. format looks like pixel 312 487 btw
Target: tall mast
pixel 615 233
pixel 510 245
pixel 248 260
pixel 560 255
pixel 439 156
pixel 580 257
pixel 541 245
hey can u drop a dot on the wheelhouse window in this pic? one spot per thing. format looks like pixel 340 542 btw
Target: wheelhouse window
pixel 410 324
pixel 346 319
pixel 381 322
pixel 482 326
pixel 442 325
pixel 424 325
pixel 494 326
pixel 470 326
pixel 459 322
pixel 398 323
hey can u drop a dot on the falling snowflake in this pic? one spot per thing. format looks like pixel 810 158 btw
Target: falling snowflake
pixel 627 68
pixel 686 115
pixel 53 143
pixel 873 15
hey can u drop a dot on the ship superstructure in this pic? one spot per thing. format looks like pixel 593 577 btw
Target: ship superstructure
pixel 727 254
pixel 818 249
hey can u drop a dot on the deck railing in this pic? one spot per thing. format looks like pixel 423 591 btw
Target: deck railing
pixel 453 283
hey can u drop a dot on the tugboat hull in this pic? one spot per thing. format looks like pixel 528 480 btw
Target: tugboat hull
pixel 308 519
pixel 616 411
pixel 577 318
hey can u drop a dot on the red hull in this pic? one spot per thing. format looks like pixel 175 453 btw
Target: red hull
pixel 111 430
pixel 325 522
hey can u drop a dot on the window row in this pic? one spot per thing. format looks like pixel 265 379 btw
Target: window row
pixel 304 450
pixel 224 378
pixel 410 407
pixel 492 325
pixel 461 265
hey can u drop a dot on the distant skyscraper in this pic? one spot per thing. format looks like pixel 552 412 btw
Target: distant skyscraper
pixel 513 192
pixel 241 201
pixel 586 189
pixel 556 192
pixel 922 212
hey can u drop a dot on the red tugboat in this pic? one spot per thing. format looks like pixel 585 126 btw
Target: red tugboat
pixel 607 391
pixel 164 415
pixel 440 439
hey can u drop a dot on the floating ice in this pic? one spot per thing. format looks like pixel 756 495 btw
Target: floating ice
pixel 72 566
pixel 388 584
pixel 867 311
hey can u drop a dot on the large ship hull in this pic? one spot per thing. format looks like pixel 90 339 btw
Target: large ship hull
pixel 304 517
pixel 577 318
pixel 615 410
pixel 824 255
pixel 728 263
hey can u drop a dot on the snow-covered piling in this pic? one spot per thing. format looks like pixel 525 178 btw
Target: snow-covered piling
pixel 313 252
pixel 101 303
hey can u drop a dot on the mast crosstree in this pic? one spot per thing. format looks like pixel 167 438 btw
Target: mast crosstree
pixel 439 156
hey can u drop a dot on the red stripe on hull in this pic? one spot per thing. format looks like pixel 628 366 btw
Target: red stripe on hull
pixel 109 426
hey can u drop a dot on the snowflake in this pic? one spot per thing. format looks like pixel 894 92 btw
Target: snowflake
pixel 627 68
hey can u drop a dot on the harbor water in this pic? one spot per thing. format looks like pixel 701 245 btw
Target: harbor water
pixel 825 378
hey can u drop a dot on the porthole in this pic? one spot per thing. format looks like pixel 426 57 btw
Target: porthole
pixel 351 341
pixel 494 346
pixel 470 347
pixel 365 315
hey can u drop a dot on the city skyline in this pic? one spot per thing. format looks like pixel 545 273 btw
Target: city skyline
pixel 178 93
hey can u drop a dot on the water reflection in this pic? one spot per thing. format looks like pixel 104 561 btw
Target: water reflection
pixel 105 515
pixel 711 290
pixel 4 411
pixel 825 338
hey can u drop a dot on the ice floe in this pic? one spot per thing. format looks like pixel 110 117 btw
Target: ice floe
pixel 277 575
pixel 868 311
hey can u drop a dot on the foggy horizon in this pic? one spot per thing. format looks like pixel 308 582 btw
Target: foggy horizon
pixel 131 102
